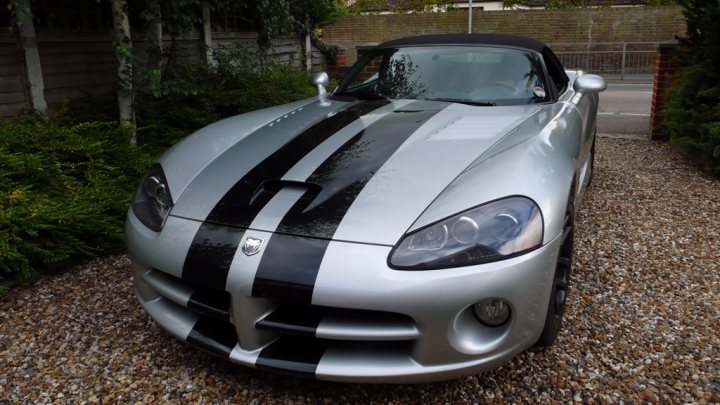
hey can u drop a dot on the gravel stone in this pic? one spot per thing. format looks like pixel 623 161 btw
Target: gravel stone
pixel 641 324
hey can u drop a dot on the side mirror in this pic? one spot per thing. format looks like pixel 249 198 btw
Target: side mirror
pixel 586 84
pixel 320 80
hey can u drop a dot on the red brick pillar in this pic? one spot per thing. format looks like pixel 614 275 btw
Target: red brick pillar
pixel 363 49
pixel 665 73
pixel 335 68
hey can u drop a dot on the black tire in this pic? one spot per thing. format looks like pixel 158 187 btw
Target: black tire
pixel 561 281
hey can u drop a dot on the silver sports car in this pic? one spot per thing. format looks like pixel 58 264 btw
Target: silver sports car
pixel 415 224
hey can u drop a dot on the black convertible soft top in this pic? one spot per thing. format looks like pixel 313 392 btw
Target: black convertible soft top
pixel 554 67
pixel 466 39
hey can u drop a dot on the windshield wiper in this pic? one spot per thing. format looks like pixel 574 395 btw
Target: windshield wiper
pixel 463 101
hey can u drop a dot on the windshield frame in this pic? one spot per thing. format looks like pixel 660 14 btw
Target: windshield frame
pixel 340 92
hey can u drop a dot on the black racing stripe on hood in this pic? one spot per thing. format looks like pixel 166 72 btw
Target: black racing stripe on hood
pixel 213 248
pixel 234 207
pixel 289 266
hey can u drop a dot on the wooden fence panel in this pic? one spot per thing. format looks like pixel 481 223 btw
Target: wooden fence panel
pixel 76 65
pixel 82 64
pixel 12 89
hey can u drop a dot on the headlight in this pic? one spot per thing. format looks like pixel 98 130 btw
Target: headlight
pixel 490 232
pixel 153 200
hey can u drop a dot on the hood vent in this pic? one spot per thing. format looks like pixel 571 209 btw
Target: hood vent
pixel 269 188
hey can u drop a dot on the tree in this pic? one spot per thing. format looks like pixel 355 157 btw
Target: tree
pixel 281 18
pixel 692 113
pixel 155 35
pixel 23 20
pixel 123 52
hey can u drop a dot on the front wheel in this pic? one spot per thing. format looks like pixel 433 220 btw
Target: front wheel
pixel 561 281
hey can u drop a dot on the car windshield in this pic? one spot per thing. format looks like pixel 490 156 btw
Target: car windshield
pixel 473 75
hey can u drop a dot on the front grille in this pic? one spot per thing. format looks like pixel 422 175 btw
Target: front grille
pixel 291 338
pixel 309 333
pixel 204 301
pixel 339 323
pixel 211 302
pixel 212 328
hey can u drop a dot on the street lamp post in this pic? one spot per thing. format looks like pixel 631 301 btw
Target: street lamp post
pixel 469 16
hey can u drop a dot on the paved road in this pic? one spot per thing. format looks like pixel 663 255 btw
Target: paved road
pixel 625 109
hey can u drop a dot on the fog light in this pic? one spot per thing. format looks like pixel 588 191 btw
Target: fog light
pixel 492 312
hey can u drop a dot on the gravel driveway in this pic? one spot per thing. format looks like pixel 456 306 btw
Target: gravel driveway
pixel 642 321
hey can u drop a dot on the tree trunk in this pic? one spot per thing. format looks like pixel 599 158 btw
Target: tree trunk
pixel 123 51
pixel 156 45
pixel 308 52
pixel 207 35
pixel 33 67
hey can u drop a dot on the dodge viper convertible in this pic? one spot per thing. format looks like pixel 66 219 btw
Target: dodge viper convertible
pixel 414 224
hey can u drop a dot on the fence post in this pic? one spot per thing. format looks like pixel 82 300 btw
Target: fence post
pixel 622 65
pixel 207 34
pixel 33 67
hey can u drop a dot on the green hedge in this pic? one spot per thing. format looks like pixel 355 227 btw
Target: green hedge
pixel 64 191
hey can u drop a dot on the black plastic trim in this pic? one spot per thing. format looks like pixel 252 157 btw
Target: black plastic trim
pixel 215 304
pixel 293 319
pixel 293 355
pixel 213 336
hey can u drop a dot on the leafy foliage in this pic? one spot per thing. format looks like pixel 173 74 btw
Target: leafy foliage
pixel 281 18
pixel 398 6
pixel 193 95
pixel 63 190
pixel 692 112
pixel 271 18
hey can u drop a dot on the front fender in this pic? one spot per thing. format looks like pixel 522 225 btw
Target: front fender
pixel 538 160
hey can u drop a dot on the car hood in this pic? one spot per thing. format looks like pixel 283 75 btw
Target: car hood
pixel 354 171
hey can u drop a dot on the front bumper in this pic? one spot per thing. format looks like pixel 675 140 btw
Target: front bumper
pixel 366 323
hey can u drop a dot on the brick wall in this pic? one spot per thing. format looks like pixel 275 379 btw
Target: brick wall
pixel 665 73
pixel 603 24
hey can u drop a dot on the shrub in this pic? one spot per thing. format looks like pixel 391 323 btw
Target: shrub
pixel 64 191
pixel 193 96
pixel 692 113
